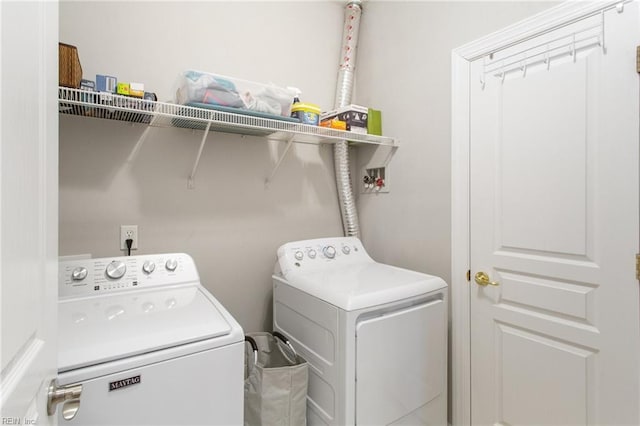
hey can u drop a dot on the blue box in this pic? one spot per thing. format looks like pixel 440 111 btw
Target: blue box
pixel 106 83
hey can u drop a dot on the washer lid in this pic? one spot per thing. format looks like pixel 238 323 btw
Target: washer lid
pixel 95 330
pixel 363 285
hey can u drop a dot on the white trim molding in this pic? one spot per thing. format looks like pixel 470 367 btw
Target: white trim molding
pixel 557 17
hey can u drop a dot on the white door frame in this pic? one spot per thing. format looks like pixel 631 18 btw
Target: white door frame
pixel 556 17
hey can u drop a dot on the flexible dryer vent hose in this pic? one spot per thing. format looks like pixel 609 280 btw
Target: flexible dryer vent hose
pixel 344 91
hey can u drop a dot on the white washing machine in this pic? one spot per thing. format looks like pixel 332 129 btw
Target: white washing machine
pixel 148 344
pixel 375 335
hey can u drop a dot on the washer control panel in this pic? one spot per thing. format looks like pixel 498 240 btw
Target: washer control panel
pixel 321 253
pixel 103 275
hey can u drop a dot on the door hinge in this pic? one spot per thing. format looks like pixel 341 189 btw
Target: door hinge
pixel 638 59
pixel 469 275
pixel 638 267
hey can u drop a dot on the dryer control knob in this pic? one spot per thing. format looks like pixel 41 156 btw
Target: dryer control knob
pixel 329 251
pixel 116 269
pixel 148 266
pixel 299 255
pixel 79 273
pixel 346 249
pixel 171 265
pixel 312 254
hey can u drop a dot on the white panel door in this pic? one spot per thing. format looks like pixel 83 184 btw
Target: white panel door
pixel 28 208
pixel 554 215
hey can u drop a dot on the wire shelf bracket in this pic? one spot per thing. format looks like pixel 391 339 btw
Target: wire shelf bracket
pixel 277 166
pixel 191 181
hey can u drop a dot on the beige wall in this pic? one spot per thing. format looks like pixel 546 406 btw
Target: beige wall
pixel 404 69
pixel 231 223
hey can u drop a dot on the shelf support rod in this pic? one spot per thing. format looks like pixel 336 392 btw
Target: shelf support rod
pixel 392 152
pixel 277 166
pixel 191 182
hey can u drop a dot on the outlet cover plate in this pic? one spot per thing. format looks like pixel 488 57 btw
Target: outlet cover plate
pixel 128 231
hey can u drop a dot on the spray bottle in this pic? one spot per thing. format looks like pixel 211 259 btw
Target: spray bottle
pixel 306 113
pixel 296 94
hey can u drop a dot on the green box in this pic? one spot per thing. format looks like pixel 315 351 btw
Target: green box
pixel 374 124
pixel 122 88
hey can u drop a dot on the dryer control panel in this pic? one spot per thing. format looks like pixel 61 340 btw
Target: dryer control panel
pixel 111 274
pixel 321 253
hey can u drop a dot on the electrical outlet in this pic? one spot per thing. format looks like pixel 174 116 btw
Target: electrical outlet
pixel 126 232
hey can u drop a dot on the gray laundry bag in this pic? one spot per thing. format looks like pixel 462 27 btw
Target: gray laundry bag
pixel 275 386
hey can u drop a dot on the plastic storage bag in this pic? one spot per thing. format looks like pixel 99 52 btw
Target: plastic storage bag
pixel 275 388
pixel 218 90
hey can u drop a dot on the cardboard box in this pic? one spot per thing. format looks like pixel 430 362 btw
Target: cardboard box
pixel 122 88
pixel 106 83
pixel 374 126
pixel 334 123
pixel 88 85
pixel 136 89
pixel 355 116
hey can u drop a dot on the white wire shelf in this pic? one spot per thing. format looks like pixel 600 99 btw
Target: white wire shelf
pixel 162 114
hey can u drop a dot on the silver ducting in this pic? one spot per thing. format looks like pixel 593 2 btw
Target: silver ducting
pixel 344 91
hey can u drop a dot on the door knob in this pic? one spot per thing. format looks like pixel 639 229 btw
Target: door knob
pixel 70 397
pixel 483 279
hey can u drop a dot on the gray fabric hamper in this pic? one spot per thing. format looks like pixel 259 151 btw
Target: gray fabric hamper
pixel 275 387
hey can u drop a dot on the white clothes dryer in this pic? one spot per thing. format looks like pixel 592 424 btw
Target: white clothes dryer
pixel 375 335
pixel 148 344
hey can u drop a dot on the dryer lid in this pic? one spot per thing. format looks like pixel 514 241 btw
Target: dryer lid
pixel 363 285
pixel 94 330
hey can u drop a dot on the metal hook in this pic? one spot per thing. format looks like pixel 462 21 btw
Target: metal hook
pixel 503 73
pixel 620 7
pixel 547 59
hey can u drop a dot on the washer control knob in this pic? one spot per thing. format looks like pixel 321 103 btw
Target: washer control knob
pixel 148 266
pixel 312 254
pixel 116 269
pixel 79 273
pixel 329 251
pixel 346 249
pixel 299 255
pixel 171 265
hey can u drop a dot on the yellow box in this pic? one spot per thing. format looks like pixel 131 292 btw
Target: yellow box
pixel 334 123
pixel 136 89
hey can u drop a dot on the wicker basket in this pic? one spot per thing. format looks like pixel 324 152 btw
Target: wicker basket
pixel 69 68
